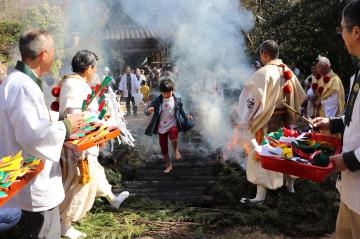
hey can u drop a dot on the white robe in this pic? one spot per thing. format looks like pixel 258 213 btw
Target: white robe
pixel 25 125
pixel 80 198
pixel 135 85
pixel 331 105
pixel 254 103
pixel 349 185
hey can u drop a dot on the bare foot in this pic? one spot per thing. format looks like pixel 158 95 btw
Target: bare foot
pixel 168 169
pixel 177 155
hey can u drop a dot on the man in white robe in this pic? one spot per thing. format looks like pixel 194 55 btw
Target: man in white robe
pixel 80 197
pixel 348 163
pixel 330 91
pixel 129 86
pixel 261 111
pixel 25 126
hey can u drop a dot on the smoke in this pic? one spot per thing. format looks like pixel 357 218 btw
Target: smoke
pixel 209 51
pixel 85 21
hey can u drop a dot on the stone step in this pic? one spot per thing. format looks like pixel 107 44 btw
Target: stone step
pixel 175 172
pixel 193 199
pixel 181 164
pixel 185 157
pixel 200 190
pixel 175 177
pixel 172 185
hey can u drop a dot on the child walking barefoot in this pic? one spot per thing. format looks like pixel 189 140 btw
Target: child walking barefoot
pixel 169 118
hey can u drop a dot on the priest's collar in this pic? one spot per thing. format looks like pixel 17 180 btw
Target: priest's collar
pixel 21 66
pixel 275 62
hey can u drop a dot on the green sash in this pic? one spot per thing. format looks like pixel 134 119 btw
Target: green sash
pixel 21 66
pixel 354 91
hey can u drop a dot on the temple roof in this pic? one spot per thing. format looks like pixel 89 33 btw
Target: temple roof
pixel 131 32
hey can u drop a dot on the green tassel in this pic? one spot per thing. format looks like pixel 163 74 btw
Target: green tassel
pixel 102 114
pixel 83 105
pixel 101 99
pixel 321 160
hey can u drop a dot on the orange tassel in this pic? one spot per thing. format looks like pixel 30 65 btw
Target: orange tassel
pixel 259 136
pixel 287 75
pixel 84 171
pixel 287 88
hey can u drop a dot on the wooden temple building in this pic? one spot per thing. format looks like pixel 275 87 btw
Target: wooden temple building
pixel 136 45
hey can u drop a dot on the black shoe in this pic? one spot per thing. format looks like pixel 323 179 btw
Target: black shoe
pixel 135 114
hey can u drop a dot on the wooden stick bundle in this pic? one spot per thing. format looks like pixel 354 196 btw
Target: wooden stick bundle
pixel 303 117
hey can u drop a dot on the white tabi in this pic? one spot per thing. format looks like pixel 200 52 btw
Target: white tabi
pixel 79 198
pixel 25 125
pixel 261 95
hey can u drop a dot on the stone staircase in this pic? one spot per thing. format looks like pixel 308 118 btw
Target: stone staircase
pixel 190 180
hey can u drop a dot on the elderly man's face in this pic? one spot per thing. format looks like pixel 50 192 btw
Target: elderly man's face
pixel 322 69
pixel 47 60
pixel 128 71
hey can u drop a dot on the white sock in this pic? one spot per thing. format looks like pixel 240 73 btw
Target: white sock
pixel 72 233
pixel 119 199
pixel 289 183
pixel 260 194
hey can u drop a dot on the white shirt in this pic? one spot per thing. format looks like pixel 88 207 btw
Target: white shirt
pixel 135 85
pixel 141 78
pixel 25 125
pixel 349 186
pixel 167 116
pixel 331 105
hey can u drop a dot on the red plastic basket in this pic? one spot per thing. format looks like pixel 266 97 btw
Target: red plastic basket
pixel 311 172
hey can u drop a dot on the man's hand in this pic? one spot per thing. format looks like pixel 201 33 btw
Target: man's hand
pixel 339 163
pixel 189 117
pixel 150 110
pixel 321 123
pixel 76 119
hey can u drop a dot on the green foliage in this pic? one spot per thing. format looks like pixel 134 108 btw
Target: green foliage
pixel 106 225
pixel 11 10
pixel 9 35
pixel 50 18
pixel 304 30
